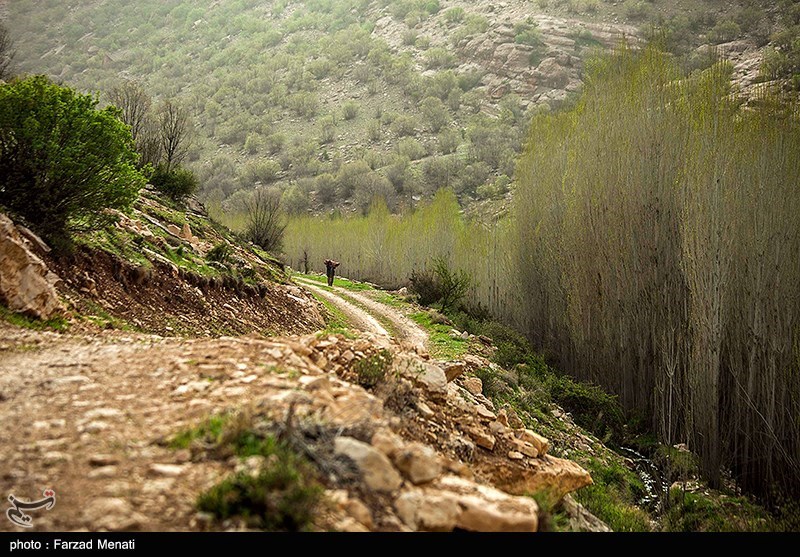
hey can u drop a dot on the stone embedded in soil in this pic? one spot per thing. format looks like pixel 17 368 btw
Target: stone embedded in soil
pixel 387 442
pixel 112 513
pixel 515 455
pixel 474 385
pixel 482 438
pixel 541 443
pixel 102 413
pixel 374 466
pixel 103 460
pixel 419 463
pixel 166 470
pixel 359 511
pixel 103 472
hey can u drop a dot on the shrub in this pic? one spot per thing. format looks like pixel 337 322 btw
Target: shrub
pixel 283 496
pixel 724 31
pixel 349 110
pixel 177 184
pixel 62 161
pixel 220 253
pixel 443 285
pixel 372 370
pixel 411 148
pixel 265 219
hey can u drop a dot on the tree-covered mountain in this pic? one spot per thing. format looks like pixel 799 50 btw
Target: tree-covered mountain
pixel 340 101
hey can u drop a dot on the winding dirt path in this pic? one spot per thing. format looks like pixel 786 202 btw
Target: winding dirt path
pixel 403 329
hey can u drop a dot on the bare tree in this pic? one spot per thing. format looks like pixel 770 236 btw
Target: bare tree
pixel 174 130
pixel 134 102
pixel 266 221
pixel 6 53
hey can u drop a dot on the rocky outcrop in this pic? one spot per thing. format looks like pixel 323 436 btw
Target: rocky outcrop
pixel 26 284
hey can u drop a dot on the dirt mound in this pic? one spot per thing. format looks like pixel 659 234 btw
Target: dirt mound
pixel 166 300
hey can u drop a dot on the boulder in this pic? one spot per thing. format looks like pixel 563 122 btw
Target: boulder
pixel 374 466
pixel 428 376
pixel 419 463
pixel 555 475
pixel 454 502
pixel 541 444
pixel 453 370
pixel 26 285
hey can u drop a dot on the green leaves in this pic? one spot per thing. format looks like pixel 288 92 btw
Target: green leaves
pixel 61 160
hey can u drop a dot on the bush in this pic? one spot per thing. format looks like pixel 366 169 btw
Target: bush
pixel 372 370
pixel 265 219
pixel 284 496
pixel 62 161
pixel 177 184
pixel 442 285
pixel 349 110
pixel 221 253
pixel 723 32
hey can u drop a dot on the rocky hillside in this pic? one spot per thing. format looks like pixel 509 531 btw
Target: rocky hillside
pixel 163 268
pixel 336 102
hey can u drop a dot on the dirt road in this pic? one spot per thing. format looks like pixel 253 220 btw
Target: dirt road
pixel 370 315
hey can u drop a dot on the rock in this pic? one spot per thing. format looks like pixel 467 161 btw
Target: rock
pixel 453 502
pixel 166 470
pixel 374 466
pixel 525 448
pixel 514 421
pixel 359 511
pixel 551 74
pixel 474 385
pixel 419 463
pixel 473 362
pixel 349 524
pixel 174 230
pixel 186 232
pixel 428 376
pixel 95 426
pixel 556 475
pixel 514 455
pixel 103 472
pixel 502 417
pixel 37 243
pixel 541 444
pixel 425 410
pixel 102 413
pixel 55 457
pixel 103 460
pixel 315 382
pixel 428 511
pixel 24 284
pixel 453 370
pixel 482 438
pixel 387 442
pixel 580 519
pixel 497 428
pixel 484 413
pixel 112 513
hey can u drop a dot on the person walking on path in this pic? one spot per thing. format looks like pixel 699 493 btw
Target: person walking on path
pixel 330 270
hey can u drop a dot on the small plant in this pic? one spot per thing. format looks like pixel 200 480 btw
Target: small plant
pixel 177 183
pixel 283 496
pixel 349 110
pixel 220 253
pixel 372 370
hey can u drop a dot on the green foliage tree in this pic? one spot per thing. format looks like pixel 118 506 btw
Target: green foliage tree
pixel 177 183
pixel 62 161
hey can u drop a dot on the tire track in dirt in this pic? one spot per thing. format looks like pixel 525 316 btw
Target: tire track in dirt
pixel 357 316
pixel 404 329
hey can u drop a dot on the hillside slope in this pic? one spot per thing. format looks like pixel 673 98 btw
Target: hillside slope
pixel 339 101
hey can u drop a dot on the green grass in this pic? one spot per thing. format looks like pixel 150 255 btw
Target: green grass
pixel 54 324
pixel 390 300
pixel 283 495
pixel 336 322
pixel 613 497
pixel 442 345
pixel 210 432
pixel 700 512
pixel 347 284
